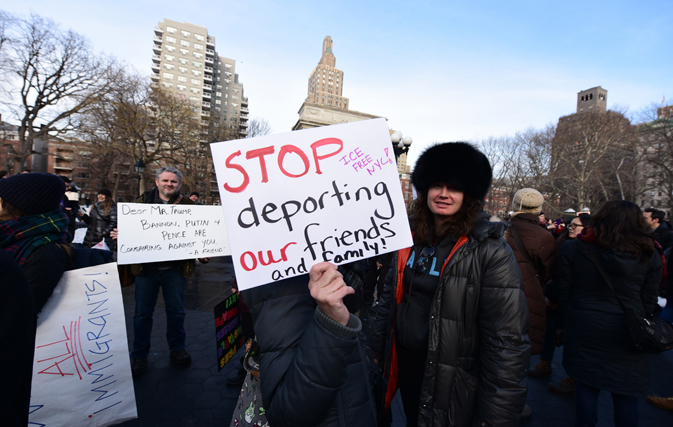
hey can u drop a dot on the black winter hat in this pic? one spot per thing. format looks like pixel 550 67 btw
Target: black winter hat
pixel 106 192
pixel 33 193
pixel 457 164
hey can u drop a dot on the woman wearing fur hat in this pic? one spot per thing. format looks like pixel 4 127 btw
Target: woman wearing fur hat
pixel 451 327
pixel 31 225
pixel 101 221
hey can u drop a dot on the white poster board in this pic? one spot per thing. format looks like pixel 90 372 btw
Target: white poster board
pixel 295 199
pixel 81 370
pixel 150 233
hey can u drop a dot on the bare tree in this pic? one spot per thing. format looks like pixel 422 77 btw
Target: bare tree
pixel 56 76
pixel 258 127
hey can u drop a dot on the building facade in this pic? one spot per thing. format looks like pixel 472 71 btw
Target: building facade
pixel 185 62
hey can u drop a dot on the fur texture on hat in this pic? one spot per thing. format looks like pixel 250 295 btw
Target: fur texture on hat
pixel 527 200
pixel 459 165
pixel 33 193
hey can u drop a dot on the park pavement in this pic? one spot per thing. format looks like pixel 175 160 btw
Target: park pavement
pixel 198 395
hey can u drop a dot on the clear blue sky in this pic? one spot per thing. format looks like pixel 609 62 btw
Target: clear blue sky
pixel 437 70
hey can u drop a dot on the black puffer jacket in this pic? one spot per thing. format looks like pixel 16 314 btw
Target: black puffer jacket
pixel 312 369
pixel 99 225
pixel 478 351
pixel 598 349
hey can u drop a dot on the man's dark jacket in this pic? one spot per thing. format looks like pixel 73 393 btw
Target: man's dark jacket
pixel 312 369
pixel 478 351
pixel 663 235
pixel 541 248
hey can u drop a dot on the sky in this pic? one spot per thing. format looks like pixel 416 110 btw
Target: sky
pixel 437 70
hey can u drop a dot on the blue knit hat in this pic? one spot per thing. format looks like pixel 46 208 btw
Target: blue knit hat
pixel 33 193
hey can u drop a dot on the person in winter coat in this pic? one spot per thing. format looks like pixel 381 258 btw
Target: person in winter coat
pixel 32 225
pixel 540 247
pixel 451 326
pixel 598 352
pixel 312 366
pixel 101 220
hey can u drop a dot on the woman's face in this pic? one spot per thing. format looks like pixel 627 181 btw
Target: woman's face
pixel 575 228
pixel 444 201
pixel 101 197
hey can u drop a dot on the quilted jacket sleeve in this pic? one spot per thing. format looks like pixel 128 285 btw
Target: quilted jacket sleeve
pixel 505 348
pixel 304 354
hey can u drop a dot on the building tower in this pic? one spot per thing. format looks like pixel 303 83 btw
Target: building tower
pixel 594 99
pixel 325 86
pixel 186 63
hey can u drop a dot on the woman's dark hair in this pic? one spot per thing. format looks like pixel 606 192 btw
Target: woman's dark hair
pixel 619 225
pixel 459 224
pixel 585 219
pixel 10 212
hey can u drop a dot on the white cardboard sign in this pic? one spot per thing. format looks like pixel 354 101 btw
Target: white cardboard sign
pixel 81 371
pixel 295 199
pixel 151 233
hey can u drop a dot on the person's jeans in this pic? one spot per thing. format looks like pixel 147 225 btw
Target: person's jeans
pixel 667 312
pixel 586 407
pixel 147 289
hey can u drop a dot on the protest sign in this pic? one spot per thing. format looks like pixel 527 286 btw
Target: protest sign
pixel 150 233
pixel 228 333
pixel 81 371
pixel 295 199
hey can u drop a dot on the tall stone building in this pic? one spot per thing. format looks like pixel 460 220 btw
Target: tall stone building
pixel 186 63
pixel 325 103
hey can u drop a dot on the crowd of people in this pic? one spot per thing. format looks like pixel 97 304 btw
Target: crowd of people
pixel 454 319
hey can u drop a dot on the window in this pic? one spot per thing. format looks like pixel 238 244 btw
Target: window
pixel 195 90
pixel 171 30
pixel 170 39
pixel 170 77
pixel 182 79
pixel 227 80
pixel 219 94
pixel 234 105
pixel 184 43
pixel 167 85
pixel 197 73
pixel 196 64
pixel 199 37
pixel 198 55
pixel 185 33
pixel 170 48
pixel 235 90
pixel 228 73
pixel 218 102
pixel 169 57
pixel 198 46
pixel 182 69
pixel 227 65
pixel 183 61
pixel 82 175
pixel 184 52
pixel 181 87
pixel 196 82
pixel 234 97
pixel 193 99
pixel 169 66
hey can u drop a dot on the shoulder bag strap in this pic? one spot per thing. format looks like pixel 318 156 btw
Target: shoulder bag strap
pixel 523 251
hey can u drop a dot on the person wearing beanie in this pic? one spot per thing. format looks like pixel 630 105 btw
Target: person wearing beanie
pixel 32 225
pixel 101 220
pixel 453 304
pixel 535 251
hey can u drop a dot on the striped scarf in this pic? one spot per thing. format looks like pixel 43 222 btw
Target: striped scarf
pixel 21 236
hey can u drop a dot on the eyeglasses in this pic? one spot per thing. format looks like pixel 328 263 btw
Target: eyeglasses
pixel 574 226
pixel 427 252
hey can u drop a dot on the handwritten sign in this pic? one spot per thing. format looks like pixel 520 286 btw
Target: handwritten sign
pixel 295 199
pixel 150 233
pixel 228 333
pixel 81 371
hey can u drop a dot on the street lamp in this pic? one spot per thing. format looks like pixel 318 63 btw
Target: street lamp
pixel 139 168
pixel 401 143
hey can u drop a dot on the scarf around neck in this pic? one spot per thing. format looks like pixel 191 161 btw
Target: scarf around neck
pixel 21 236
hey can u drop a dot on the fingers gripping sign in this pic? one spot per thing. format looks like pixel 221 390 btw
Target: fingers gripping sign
pixel 328 289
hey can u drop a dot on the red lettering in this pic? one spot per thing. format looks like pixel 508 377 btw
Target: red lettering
pixel 260 153
pixel 282 251
pixel 239 168
pixel 326 141
pixel 254 261
pixel 292 149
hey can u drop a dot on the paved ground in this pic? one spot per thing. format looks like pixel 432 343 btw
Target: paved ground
pixel 197 395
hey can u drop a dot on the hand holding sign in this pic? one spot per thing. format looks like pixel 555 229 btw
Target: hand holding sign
pixel 328 289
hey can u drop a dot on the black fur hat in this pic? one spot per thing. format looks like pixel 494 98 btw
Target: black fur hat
pixel 456 164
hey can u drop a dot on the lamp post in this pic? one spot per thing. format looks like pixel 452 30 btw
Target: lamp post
pixel 139 168
pixel 401 143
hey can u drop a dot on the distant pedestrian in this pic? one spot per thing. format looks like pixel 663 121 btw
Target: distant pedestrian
pixel 655 220
pixel 598 352
pixel 101 220
pixel 195 198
